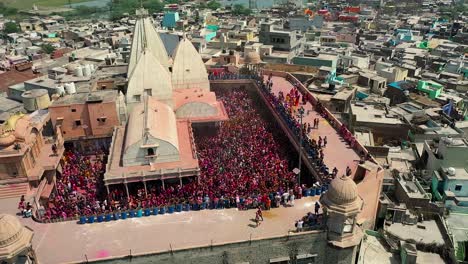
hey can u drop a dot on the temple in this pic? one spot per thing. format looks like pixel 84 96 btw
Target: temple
pixel 29 158
pixel 163 99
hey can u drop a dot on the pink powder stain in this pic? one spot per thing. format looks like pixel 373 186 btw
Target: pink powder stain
pixel 102 254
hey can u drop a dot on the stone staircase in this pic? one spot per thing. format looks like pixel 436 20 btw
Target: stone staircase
pixel 13 190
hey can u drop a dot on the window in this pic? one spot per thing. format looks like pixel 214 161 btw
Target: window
pixel 149 92
pixel 63 132
pixel 78 122
pixel 103 87
pixel 458 187
pixel 137 97
pixel 73 110
pixel 102 119
pixel 150 152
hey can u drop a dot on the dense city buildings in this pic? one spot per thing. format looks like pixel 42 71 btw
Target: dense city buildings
pixel 233 131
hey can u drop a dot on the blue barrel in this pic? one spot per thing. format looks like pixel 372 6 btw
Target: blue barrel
pixel 131 214
pixel 187 207
pixel 196 207
pixel 82 220
pixel 170 209
pixel 162 210
pixel 203 206
pixel 179 208
pixel 324 188
pixel 147 212
pixel 91 219
pixel 108 217
pixel 116 216
pixel 124 215
pixel 312 191
pixel 308 192
pixel 318 191
pixel 100 218
pixel 155 210
pixel 139 213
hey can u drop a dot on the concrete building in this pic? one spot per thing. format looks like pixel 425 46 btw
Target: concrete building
pixel 170 20
pixel 446 164
pixel 384 124
pixel 87 120
pixel 280 39
pixel 27 157
pixel 304 23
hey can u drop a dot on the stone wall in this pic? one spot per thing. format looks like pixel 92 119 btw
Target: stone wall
pixel 261 251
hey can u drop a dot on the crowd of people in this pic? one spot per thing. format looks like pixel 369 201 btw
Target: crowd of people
pixel 78 188
pixel 311 220
pixel 289 106
pixel 243 165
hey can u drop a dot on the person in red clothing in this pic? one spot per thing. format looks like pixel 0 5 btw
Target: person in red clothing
pixel 268 203
pixel 259 212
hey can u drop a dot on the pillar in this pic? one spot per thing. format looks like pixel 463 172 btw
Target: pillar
pixel 180 180
pixel 108 192
pixel 126 189
pixel 164 187
pixel 146 192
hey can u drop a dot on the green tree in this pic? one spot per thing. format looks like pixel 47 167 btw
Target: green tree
pixel 213 5
pixel 7 11
pixel 241 10
pixel 11 27
pixel 47 48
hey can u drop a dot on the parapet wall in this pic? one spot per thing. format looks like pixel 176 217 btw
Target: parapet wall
pixel 313 243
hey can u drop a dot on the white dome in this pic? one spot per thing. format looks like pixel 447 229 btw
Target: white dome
pixel 342 190
pixel 10 229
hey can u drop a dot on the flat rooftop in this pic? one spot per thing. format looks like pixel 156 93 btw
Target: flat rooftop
pixel 13 77
pixel 178 230
pixel 460 173
pixel 375 251
pixel 456 224
pixel 430 234
pixel 368 113
pixel 104 96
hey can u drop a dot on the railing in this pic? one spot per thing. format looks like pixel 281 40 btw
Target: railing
pixel 175 207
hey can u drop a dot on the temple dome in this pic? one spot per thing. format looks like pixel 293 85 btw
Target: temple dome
pixel 7 139
pixel 10 230
pixel 252 57
pixel 14 237
pixel 342 190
